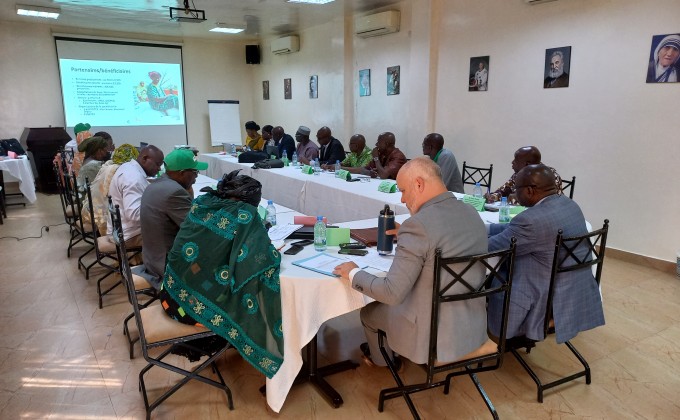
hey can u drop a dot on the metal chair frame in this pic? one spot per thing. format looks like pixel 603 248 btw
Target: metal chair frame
pixel 499 267
pixel 568 185
pixel 78 232
pixel 473 174
pixel 171 344
pixel 565 260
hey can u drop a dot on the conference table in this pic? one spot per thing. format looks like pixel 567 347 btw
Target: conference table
pixel 20 169
pixel 308 300
pixel 312 195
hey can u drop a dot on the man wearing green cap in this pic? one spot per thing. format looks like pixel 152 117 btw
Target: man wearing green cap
pixel 165 204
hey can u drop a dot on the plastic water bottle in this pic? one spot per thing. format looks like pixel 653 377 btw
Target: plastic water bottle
pixel 233 149
pixel 271 213
pixel 504 213
pixel 295 161
pixel 319 234
pixel 477 190
pixel 337 168
pixel 317 168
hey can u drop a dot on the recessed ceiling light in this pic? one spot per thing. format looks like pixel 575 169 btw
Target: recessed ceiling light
pixel 38 11
pixel 227 30
pixel 311 1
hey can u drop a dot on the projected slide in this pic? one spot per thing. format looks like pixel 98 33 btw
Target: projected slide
pixel 115 93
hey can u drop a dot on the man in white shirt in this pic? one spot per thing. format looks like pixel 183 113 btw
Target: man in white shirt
pixel 126 189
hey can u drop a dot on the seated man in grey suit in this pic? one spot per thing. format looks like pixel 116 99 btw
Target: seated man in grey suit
pixel 404 297
pixel 433 146
pixel 577 305
pixel 165 205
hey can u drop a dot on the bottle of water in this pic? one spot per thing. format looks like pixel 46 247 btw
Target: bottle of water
pixel 504 213
pixel 477 190
pixel 233 149
pixel 317 168
pixel 295 161
pixel 319 234
pixel 271 213
pixel 337 168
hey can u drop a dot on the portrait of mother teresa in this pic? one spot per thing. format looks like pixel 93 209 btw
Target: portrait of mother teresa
pixel 663 61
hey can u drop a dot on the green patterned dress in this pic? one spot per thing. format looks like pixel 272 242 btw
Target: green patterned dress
pixel 223 271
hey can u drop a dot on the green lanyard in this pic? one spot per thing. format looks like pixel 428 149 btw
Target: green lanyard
pixel 437 155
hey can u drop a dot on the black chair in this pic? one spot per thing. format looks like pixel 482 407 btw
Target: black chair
pixel 566 259
pixel 473 174
pixel 3 209
pixel 64 198
pixel 568 185
pixel 157 329
pixel 79 232
pixel 449 273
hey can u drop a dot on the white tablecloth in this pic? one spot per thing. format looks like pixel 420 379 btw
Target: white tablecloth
pixel 338 200
pixel 21 170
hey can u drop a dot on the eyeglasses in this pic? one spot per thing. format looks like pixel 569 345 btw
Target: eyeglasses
pixel 194 171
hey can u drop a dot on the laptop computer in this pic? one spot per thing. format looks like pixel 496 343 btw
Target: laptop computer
pixel 272 150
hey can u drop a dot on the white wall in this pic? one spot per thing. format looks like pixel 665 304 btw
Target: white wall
pixel 616 133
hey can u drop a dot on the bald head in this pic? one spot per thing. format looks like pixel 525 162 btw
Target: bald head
pixel 385 142
pixel 277 132
pixel 323 136
pixel 432 144
pixel 150 159
pixel 419 180
pixel 534 183
pixel 357 143
pixel 527 155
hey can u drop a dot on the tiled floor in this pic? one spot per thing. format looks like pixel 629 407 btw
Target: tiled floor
pixel 63 358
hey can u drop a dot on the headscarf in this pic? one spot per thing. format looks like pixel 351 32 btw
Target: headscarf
pixel 237 187
pixel 672 40
pixel 124 153
pixel 92 144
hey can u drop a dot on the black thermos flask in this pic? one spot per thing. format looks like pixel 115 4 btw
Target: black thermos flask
pixel 385 223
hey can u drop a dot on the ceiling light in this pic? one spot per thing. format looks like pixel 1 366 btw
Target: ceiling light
pixel 311 1
pixel 38 11
pixel 228 29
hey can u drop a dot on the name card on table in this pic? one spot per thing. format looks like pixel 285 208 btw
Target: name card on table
pixel 343 174
pixel 517 209
pixel 387 187
pixel 307 221
pixel 262 212
pixel 335 237
pixel 306 169
pixel 476 202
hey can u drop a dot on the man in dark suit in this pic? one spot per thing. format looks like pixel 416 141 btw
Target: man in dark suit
pixel 577 305
pixel 404 297
pixel 284 142
pixel 330 149
pixel 165 205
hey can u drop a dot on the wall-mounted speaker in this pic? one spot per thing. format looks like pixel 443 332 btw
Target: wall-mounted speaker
pixel 252 54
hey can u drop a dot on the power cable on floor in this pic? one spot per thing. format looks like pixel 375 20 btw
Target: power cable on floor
pixel 46 228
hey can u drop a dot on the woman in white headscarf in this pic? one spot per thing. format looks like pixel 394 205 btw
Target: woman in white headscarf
pixel 663 67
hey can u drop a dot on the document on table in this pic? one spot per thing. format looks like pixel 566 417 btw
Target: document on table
pixel 321 263
pixel 374 260
pixel 281 232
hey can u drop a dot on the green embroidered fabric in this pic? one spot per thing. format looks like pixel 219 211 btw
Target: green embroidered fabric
pixel 224 272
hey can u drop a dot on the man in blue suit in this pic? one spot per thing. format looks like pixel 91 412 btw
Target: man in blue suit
pixel 284 142
pixel 577 305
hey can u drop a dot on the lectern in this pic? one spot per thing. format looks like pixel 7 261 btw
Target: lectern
pixel 44 143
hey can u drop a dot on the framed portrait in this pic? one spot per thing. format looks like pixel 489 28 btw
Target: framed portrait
pixel 287 89
pixel 265 90
pixel 365 82
pixel 556 71
pixel 313 87
pixel 664 59
pixel 393 80
pixel 479 74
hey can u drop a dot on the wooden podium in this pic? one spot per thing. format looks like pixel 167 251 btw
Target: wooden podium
pixel 44 143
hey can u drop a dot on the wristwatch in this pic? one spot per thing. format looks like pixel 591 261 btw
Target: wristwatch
pixel 376 159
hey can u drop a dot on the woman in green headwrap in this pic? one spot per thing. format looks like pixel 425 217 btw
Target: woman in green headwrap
pixel 223 272
pixel 100 185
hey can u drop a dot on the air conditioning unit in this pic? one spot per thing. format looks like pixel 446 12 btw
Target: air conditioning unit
pixel 536 1
pixel 286 45
pixel 377 24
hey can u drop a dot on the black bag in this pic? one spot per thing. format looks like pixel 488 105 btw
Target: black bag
pixel 268 164
pixel 11 145
pixel 252 157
